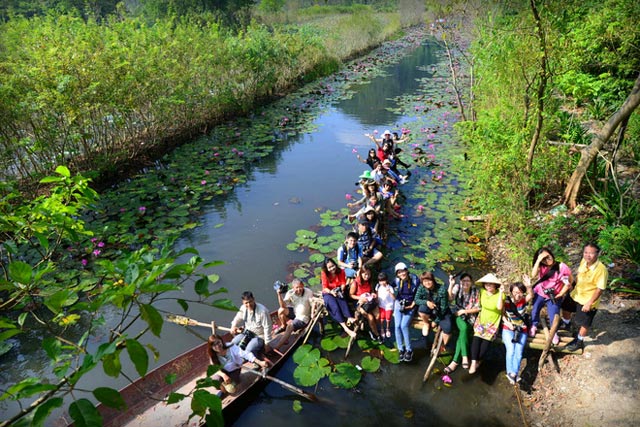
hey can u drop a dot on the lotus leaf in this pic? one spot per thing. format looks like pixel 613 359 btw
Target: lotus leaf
pixel 306 355
pixel 370 364
pixel 345 375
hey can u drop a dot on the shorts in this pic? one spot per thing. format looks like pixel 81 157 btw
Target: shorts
pixel 580 318
pixel 385 314
pixel 424 309
pixel 297 323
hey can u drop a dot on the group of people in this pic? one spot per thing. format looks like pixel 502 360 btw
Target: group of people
pixel 476 315
pixel 354 294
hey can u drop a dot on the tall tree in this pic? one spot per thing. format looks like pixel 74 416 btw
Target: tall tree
pixel 589 153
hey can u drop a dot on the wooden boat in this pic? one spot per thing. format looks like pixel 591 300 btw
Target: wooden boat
pixel 144 397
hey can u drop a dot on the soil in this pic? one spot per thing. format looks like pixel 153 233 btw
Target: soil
pixel 601 386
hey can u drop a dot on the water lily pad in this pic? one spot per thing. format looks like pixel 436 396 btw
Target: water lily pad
pixel 316 258
pixel 370 364
pixel 345 375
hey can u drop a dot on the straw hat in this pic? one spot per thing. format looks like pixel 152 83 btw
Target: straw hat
pixel 489 278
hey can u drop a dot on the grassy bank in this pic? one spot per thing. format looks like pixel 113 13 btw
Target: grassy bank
pixel 538 83
pixel 95 95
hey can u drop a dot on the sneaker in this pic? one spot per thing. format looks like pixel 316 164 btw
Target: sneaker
pixel 401 356
pixel 408 356
pixel 575 345
pixel 388 334
pixel 379 339
pixel 532 331
pixel 373 337
pixel 556 339
pixel 511 378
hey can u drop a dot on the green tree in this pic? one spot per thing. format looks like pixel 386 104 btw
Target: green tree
pixel 69 309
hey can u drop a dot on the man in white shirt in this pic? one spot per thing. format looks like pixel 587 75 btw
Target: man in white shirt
pixel 295 309
pixel 251 325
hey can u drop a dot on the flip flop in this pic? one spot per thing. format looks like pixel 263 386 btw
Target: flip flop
pixel 465 365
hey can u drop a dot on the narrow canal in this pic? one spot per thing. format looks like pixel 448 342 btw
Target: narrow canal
pixel 285 192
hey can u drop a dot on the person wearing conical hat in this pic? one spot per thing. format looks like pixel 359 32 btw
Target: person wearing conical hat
pixel 486 326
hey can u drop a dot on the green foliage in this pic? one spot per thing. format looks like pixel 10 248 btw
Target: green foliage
pixel 37 299
pixel 345 375
pixel 621 242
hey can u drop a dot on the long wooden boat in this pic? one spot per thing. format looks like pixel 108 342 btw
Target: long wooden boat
pixel 144 397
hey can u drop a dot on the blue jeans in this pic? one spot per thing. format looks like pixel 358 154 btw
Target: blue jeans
pixel 514 350
pixel 402 321
pixel 552 309
pixel 255 346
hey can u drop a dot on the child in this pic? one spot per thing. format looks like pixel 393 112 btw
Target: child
pixel 386 301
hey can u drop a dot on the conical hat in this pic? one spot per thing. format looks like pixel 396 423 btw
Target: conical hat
pixel 489 278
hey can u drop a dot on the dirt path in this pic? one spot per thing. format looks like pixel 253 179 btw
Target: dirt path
pixel 598 388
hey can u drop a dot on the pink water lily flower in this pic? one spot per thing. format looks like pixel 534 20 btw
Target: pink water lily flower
pixel 446 379
pixel 354 151
pixel 203 182
pixel 348 196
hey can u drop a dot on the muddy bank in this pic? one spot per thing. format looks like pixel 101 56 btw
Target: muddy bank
pixel 599 387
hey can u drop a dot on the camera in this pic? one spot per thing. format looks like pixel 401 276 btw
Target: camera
pixel 517 332
pixel 338 292
pixel 403 303
pixel 280 287
pixel 551 293
pixel 247 336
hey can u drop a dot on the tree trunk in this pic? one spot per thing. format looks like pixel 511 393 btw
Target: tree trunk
pixel 591 151
pixel 542 86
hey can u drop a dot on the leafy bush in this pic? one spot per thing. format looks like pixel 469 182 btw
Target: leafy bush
pixel 621 242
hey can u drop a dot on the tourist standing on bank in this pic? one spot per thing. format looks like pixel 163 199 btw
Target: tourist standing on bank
pixel 583 301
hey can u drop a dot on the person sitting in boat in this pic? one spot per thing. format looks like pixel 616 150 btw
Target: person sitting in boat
pixel 252 325
pixel 295 310
pixel 371 158
pixel 334 283
pixel 432 300
pixel 369 243
pixel 386 303
pixel 230 358
pixel 514 326
pixel 350 256
pixel 389 193
pixel 362 292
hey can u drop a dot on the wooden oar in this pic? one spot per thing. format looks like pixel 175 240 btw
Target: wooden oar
pixel 435 351
pixel 312 325
pixel 187 321
pixel 310 396
pixel 359 325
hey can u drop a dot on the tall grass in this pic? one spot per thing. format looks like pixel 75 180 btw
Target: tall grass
pixel 100 93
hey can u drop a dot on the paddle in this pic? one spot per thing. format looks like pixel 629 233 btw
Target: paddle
pixel 186 321
pixel 435 351
pixel 310 396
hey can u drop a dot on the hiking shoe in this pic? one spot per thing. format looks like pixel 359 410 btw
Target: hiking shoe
pixel 401 355
pixel 408 356
pixel 532 331
pixel 575 345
